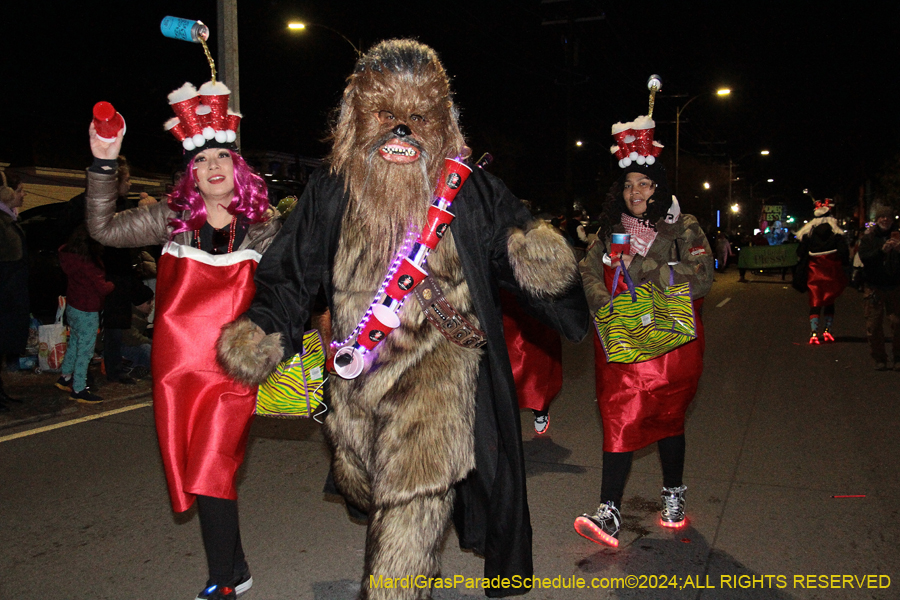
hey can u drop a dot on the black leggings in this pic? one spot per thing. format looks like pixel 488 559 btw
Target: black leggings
pixel 617 465
pixel 221 538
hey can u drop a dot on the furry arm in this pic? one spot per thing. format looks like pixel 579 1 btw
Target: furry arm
pixel 247 353
pixel 542 261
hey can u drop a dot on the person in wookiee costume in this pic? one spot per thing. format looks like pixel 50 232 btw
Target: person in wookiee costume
pixel 429 428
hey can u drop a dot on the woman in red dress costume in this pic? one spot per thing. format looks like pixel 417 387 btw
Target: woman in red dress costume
pixel 645 402
pixel 215 227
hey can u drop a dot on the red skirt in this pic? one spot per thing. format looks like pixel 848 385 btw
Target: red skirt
pixel 535 353
pixel 644 402
pixel 826 280
pixel 202 416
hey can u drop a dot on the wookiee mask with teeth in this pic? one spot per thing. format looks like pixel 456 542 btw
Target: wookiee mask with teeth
pixel 395 125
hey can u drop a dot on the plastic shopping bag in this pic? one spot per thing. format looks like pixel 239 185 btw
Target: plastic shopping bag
pixel 53 340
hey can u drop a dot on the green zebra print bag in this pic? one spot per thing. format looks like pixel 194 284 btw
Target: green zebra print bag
pixel 652 323
pixel 294 389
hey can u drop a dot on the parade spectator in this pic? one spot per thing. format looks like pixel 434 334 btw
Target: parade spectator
pixel 879 250
pixel 136 343
pixel 86 288
pixel 120 270
pixel 723 251
pixel 216 224
pixel 823 255
pixel 645 402
pixel 14 315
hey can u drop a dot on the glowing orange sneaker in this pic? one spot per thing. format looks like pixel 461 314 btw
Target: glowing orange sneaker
pixel 814 339
pixel 827 337
pixel 602 527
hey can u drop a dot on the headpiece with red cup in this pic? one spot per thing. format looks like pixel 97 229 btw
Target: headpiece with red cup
pixel 634 139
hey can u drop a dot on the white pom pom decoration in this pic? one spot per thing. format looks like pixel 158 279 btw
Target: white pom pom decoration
pixel 199 140
pixel 651 160
pixel 209 133
pixel 633 156
pixel 230 136
pixel 188 144
pixel 627 161
pixel 220 136
pixel 641 160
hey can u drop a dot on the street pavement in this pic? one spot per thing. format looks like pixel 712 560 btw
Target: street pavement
pixel 777 430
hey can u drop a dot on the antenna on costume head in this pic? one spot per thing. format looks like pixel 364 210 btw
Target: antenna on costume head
pixel 654 84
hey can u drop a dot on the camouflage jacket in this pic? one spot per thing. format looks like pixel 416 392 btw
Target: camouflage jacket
pixel 681 241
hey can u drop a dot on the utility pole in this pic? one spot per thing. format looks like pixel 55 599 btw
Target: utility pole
pixel 570 42
pixel 227 50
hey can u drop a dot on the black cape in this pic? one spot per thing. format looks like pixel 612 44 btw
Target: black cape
pixel 491 512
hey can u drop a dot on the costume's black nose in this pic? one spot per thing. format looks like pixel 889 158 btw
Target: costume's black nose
pixel 401 130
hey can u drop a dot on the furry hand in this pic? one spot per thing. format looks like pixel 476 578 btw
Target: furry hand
pixel 247 353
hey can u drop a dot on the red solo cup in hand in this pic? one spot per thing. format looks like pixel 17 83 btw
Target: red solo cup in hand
pixel 453 176
pixel 406 277
pixel 107 121
pixel 381 322
pixel 621 244
pixel 436 226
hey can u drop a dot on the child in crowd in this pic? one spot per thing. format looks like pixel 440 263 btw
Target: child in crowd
pixel 87 286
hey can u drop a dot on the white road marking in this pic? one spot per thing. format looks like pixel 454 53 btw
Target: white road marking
pixel 723 303
pixel 108 413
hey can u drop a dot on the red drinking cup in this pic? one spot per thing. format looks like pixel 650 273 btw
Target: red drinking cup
pixel 436 226
pixel 406 277
pixel 453 176
pixel 107 121
pixel 381 322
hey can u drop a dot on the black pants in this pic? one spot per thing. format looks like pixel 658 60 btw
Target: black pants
pixel 221 539
pixel 617 465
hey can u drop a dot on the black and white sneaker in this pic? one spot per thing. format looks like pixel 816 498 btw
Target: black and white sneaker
pixel 541 421
pixel 242 582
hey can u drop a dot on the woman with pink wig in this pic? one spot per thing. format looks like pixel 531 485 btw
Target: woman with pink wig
pixel 214 228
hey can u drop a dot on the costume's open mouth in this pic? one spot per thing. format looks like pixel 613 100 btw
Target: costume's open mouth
pixel 398 152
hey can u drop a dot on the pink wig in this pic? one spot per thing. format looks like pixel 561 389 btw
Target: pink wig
pixel 251 199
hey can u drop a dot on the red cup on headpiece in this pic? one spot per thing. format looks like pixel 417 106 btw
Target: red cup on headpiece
pixel 643 141
pixel 381 322
pixel 436 226
pixel 453 176
pixel 406 277
pixel 625 141
pixel 107 121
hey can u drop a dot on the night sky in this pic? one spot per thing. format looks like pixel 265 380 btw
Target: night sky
pixel 816 86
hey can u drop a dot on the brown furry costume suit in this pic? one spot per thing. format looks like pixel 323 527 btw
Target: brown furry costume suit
pixel 403 433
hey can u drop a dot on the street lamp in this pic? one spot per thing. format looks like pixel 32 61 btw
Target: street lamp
pixel 298 26
pixel 720 92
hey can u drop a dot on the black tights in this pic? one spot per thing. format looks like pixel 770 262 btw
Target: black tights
pixel 617 465
pixel 221 538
